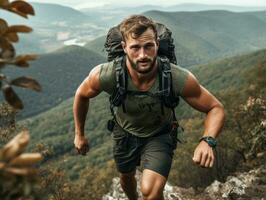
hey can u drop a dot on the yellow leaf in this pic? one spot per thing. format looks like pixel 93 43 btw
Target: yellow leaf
pixel 21 61
pixel 3 26
pixel 4 3
pixel 19 28
pixel 18 13
pixel 12 37
pixel 22 8
pixel 2 165
pixel 27 57
pixel 20 171
pixel 26 82
pixel 8 51
pixel 12 98
pixel 15 146
pixel 26 159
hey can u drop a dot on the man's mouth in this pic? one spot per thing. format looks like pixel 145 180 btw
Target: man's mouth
pixel 144 61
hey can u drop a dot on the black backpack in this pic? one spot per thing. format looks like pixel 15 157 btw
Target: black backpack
pixel 166 43
pixel 166 55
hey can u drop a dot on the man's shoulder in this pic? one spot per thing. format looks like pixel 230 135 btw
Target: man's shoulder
pixel 107 76
pixel 179 77
pixel 106 64
pixel 178 68
pixel 107 68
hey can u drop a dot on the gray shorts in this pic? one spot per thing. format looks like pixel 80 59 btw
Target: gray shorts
pixel 154 153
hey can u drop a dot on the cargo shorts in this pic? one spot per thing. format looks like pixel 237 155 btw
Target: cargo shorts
pixel 154 153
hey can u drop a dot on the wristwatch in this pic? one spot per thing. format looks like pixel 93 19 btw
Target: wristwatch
pixel 210 140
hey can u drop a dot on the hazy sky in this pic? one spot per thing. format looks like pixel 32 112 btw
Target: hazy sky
pixel 93 3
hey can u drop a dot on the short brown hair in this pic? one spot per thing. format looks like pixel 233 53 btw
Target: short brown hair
pixel 135 25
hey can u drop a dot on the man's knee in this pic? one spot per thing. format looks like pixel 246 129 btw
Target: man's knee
pixel 152 185
pixel 151 193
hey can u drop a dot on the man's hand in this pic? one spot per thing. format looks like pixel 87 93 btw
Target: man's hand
pixel 81 144
pixel 203 155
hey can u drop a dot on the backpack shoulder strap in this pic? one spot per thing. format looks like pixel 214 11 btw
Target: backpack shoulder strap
pixel 166 87
pixel 119 93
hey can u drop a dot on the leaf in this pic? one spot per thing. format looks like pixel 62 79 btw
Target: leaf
pixel 12 37
pixel 15 146
pixel 3 26
pixel 26 159
pixel 12 98
pixel 21 61
pixel 18 13
pixel 8 51
pixel 4 3
pixel 2 165
pixel 27 57
pixel 21 8
pixel 26 82
pixel 19 28
pixel 21 171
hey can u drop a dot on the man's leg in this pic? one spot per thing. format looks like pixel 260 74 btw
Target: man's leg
pixel 152 185
pixel 126 156
pixel 157 160
pixel 129 185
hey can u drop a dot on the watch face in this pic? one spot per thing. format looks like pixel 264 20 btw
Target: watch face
pixel 211 141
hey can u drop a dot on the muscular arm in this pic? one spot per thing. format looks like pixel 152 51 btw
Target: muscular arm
pixel 89 88
pixel 202 100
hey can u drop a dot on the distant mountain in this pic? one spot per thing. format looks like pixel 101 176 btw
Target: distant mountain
pixel 59 73
pixel 223 75
pixel 261 15
pixel 108 16
pixel 52 13
pixel 207 35
pixel 97 45
pixel 53 25
pixel 111 15
pixel 204 7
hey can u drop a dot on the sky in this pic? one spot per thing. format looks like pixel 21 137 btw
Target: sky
pixel 78 4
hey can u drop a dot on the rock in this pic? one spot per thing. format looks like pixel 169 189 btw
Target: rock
pixel 243 186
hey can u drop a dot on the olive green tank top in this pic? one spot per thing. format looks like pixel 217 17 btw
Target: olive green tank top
pixel 143 116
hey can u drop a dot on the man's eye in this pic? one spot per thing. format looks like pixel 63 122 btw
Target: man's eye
pixel 149 46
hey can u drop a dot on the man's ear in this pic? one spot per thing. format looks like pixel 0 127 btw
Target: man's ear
pixel 124 46
pixel 158 43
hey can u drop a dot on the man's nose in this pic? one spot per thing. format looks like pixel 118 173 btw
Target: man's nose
pixel 142 53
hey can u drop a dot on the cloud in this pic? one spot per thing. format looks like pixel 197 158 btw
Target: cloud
pixel 90 3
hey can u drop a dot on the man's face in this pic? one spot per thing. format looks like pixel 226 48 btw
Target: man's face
pixel 142 51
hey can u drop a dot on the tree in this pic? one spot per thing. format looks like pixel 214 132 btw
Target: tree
pixel 9 35
pixel 16 168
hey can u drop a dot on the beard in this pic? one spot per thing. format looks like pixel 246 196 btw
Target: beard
pixel 143 66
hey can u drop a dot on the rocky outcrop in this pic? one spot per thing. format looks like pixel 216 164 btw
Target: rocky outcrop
pixel 247 185
pixel 243 186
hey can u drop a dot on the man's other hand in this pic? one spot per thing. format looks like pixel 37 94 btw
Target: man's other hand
pixel 203 155
pixel 81 144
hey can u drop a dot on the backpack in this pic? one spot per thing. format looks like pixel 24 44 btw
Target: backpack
pixel 166 55
pixel 166 43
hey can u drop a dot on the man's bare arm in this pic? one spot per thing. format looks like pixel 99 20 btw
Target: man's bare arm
pixel 202 100
pixel 89 88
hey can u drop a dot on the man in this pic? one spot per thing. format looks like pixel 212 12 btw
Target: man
pixel 138 134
